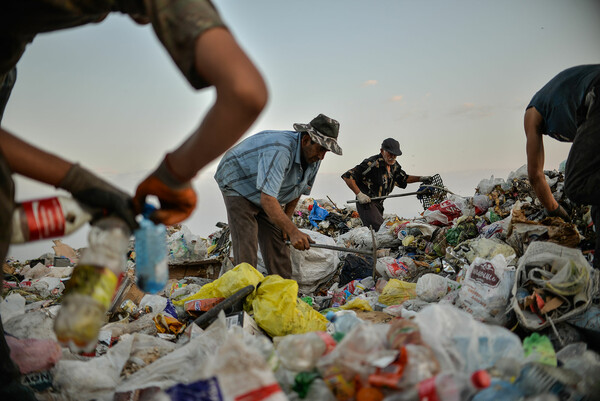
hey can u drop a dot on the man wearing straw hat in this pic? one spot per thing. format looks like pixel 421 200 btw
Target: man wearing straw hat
pixel 262 179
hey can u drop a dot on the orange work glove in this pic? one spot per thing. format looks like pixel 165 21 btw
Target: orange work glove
pixel 177 199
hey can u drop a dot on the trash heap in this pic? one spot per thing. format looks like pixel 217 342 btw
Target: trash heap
pixel 478 298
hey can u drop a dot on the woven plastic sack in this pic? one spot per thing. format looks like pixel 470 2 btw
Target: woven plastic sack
pixel 278 310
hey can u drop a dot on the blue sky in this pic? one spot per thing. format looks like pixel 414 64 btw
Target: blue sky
pixel 448 80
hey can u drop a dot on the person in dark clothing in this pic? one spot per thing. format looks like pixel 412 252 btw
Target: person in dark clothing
pixel 377 176
pixel 567 109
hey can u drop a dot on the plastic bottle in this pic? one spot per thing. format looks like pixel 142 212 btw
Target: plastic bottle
pixel 89 291
pixel 47 218
pixel 446 386
pixel 343 321
pixel 151 252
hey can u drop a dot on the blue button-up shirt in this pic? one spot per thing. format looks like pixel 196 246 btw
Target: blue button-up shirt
pixel 268 162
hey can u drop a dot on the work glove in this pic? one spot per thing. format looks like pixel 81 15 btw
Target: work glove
pixel 363 198
pixel 96 193
pixel 559 212
pixel 427 180
pixel 177 199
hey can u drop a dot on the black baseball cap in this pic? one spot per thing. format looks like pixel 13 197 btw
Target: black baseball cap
pixel 391 145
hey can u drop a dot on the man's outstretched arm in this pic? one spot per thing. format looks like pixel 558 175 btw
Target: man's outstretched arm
pixel 535 159
pixel 241 96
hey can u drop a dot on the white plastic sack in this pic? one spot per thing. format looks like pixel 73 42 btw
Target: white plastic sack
pixel 485 291
pixel 433 287
pixel 11 306
pixel 312 267
pixel 158 303
pixel 461 343
pixel 184 365
pixel 97 378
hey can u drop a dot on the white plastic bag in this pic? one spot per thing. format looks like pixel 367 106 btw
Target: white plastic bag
pixel 433 287
pixel 485 291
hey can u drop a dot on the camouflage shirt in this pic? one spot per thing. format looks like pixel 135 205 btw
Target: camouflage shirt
pixel 177 23
pixel 373 179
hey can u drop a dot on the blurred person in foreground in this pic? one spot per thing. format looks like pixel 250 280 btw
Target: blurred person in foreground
pixel 567 109
pixel 262 179
pixel 205 52
pixel 377 176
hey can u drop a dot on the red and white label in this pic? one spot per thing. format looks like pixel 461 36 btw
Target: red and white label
pixel 45 218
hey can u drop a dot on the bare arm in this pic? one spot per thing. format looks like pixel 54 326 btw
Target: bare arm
pixel 241 96
pixel 32 162
pixel 413 178
pixel 535 159
pixel 271 206
pixel 290 207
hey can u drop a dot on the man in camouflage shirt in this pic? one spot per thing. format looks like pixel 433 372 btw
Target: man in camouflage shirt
pixel 206 54
pixel 377 176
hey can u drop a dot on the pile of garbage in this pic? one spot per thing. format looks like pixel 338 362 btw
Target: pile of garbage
pixel 478 298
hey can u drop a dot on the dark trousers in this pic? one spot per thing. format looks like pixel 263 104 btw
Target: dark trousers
pixel 371 214
pixel 250 228
pixel 582 173
pixel 10 384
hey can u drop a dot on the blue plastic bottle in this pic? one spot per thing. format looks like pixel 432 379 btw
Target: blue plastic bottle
pixel 151 252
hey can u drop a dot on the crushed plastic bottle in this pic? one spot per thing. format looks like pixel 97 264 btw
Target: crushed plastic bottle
pixel 90 290
pixel 151 254
pixel 47 218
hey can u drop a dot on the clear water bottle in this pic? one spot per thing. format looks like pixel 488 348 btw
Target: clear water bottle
pixel 151 253
pixel 47 218
pixel 92 286
pixel 343 321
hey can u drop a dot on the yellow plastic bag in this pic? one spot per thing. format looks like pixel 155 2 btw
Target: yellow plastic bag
pixel 397 291
pixel 357 303
pixel 278 310
pixel 228 284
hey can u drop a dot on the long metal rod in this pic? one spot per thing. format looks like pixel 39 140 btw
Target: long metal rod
pixel 405 194
pixel 338 248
